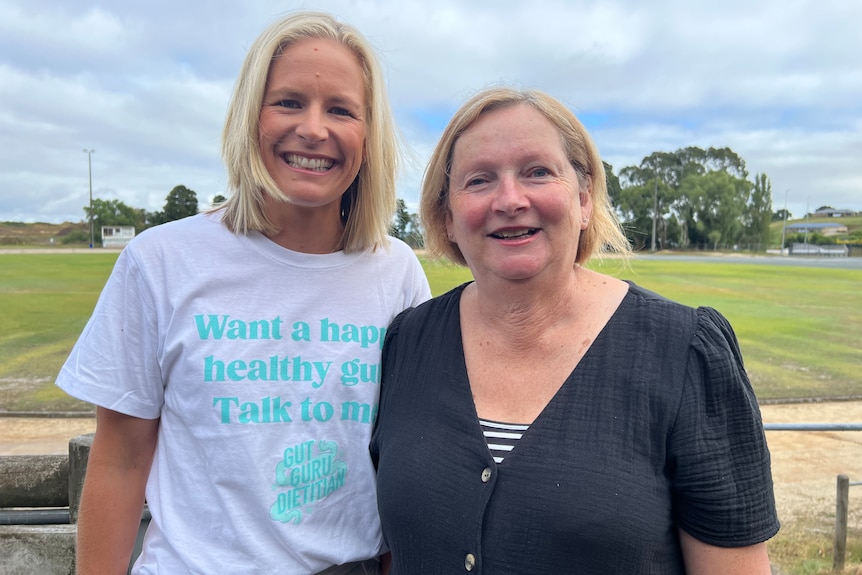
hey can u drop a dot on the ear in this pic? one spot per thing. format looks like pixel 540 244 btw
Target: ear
pixel 585 197
pixel 450 228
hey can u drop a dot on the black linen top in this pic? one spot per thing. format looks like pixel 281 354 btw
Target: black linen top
pixel 657 428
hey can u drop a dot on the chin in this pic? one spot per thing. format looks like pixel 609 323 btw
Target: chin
pixel 517 273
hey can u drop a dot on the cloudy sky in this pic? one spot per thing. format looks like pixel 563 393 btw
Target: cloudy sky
pixel 146 85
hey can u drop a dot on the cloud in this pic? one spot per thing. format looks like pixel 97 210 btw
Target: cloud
pixel 147 84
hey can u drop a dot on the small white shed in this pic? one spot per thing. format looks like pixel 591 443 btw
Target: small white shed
pixel 117 236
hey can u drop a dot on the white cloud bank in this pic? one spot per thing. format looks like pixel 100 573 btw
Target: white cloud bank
pixel 147 86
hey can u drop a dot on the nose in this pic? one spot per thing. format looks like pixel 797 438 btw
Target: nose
pixel 510 197
pixel 312 125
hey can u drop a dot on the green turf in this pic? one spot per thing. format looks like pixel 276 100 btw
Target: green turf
pixel 800 328
pixel 45 300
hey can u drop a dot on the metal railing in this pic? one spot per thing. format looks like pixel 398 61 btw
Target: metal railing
pixel 812 426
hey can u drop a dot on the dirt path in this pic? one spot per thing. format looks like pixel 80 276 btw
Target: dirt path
pixel 41 435
pixel 805 464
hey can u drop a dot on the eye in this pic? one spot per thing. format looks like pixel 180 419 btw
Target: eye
pixel 292 104
pixel 478 181
pixel 540 172
pixel 340 112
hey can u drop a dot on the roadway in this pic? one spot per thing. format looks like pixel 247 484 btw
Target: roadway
pixel 799 261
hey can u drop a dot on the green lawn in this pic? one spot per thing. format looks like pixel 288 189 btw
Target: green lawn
pixel 45 300
pixel 800 328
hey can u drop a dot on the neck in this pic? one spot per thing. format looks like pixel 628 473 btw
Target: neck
pixel 524 310
pixel 308 230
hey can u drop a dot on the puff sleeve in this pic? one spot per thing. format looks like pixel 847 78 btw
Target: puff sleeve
pixel 717 452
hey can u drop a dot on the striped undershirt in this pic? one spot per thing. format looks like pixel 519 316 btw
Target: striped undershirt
pixel 502 437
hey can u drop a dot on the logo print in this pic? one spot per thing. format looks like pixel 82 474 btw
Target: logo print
pixel 307 473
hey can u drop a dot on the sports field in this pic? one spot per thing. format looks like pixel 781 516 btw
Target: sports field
pixel 800 328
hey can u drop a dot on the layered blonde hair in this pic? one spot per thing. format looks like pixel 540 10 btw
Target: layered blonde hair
pixel 367 206
pixel 603 234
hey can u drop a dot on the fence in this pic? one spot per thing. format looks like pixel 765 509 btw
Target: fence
pixel 842 497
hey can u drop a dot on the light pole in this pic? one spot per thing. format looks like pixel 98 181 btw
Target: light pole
pixel 90 173
pixel 654 205
pixel 784 227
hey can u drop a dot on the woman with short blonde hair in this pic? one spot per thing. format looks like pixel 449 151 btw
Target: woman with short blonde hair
pixel 369 203
pixel 604 233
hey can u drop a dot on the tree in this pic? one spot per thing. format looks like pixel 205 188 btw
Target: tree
pixel 405 226
pixel 717 201
pixel 613 183
pixel 782 215
pixel 758 213
pixel 679 197
pixel 180 203
pixel 113 213
pixel 714 236
pixel 633 205
pixel 657 183
pixel 218 199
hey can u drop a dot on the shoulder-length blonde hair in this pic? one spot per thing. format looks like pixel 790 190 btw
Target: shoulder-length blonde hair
pixel 603 234
pixel 368 205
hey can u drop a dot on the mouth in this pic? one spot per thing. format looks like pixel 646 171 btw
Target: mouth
pixel 304 163
pixel 514 234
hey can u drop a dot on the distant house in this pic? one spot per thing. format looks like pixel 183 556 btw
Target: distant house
pixel 828 229
pixel 117 236
pixel 831 213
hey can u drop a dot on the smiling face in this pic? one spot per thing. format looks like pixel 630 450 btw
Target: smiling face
pixel 516 206
pixel 312 123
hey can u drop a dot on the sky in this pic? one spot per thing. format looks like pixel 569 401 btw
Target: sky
pixel 146 85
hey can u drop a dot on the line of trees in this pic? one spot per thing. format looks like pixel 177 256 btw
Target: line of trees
pixel 688 199
pixel 179 203
pixel 700 199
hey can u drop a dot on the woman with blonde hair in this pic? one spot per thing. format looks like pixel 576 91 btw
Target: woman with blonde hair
pixel 564 421
pixel 234 355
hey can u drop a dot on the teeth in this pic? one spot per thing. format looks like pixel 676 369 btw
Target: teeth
pixel 513 234
pixel 314 164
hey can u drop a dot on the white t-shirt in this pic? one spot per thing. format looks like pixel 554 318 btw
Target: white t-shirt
pixel 264 367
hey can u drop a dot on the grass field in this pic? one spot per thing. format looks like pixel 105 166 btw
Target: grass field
pixel 45 300
pixel 800 328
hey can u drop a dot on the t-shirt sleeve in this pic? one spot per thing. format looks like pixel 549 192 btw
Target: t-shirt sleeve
pixel 718 457
pixel 114 363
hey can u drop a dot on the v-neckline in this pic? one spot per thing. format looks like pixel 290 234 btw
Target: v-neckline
pixel 555 398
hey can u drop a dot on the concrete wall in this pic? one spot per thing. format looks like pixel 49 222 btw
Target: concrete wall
pixel 37 549
pixel 34 488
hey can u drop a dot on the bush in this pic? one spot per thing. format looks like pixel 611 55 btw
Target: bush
pixel 76 237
